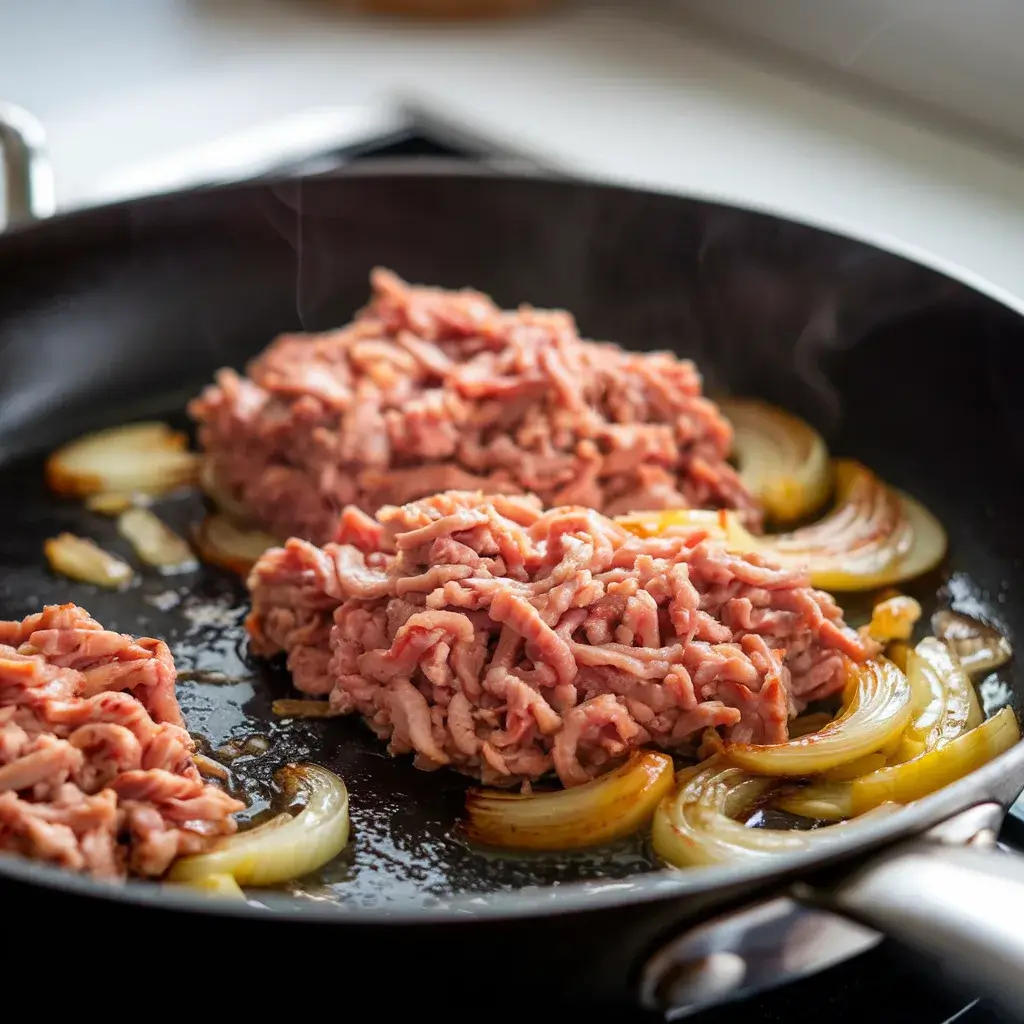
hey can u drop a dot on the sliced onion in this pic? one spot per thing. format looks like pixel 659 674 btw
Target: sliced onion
pixel 911 780
pixel 782 460
pixel 221 496
pixel 147 457
pixel 608 808
pixel 876 713
pixel 81 559
pixel 898 651
pixel 223 886
pixel 980 648
pixel 894 618
pixel 813 722
pixel 210 769
pixel 222 542
pixel 943 705
pixel 154 542
pixel 718 524
pixel 695 825
pixel 951 706
pixel 289 707
pixel 873 537
pixel 110 503
pixel 283 848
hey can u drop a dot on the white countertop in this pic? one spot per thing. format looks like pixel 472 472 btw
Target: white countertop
pixel 612 93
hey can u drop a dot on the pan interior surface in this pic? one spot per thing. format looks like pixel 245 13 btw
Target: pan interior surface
pixel 137 307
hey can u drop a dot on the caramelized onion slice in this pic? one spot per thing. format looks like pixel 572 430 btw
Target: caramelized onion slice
pixel 284 847
pixel 873 537
pixel 290 707
pixel 980 648
pixel 894 618
pixel 911 780
pixel 147 457
pixel 943 705
pixel 718 524
pixel 224 543
pixel 782 460
pixel 608 808
pixel 695 825
pixel 154 542
pixel 110 503
pixel 81 559
pixel 944 699
pixel 877 711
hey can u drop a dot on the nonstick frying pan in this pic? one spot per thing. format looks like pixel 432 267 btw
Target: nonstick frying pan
pixel 125 311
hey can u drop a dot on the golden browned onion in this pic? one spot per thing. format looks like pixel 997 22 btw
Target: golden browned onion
pixel 110 504
pixel 154 542
pixel 903 783
pixel 877 710
pixel 285 847
pixel 979 648
pixel 149 458
pixel 289 707
pixel 608 808
pixel 782 460
pixel 233 547
pixel 874 536
pixel 696 823
pixel 82 560
pixel 894 618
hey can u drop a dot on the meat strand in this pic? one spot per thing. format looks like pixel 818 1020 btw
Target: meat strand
pixel 96 770
pixel 430 390
pixel 552 640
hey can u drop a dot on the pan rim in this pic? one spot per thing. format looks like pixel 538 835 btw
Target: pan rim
pixel 987 784
pixel 439 167
pixel 665 885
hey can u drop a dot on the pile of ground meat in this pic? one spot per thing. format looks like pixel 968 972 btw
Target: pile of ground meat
pixel 431 390
pixel 506 641
pixel 96 769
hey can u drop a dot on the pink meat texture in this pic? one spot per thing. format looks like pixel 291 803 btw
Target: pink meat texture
pixel 96 769
pixel 483 633
pixel 430 390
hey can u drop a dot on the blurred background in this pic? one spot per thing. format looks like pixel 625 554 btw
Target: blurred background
pixel 893 120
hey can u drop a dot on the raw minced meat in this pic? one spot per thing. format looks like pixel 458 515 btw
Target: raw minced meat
pixel 430 390
pixel 484 633
pixel 96 769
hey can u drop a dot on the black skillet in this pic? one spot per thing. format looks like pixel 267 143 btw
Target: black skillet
pixel 125 311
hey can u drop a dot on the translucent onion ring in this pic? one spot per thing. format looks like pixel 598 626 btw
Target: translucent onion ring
pixel 285 847
pixel 81 559
pixel 149 457
pixel 979 648
pixel 224 543
pixel 610 807
pixel 876 713
pixel 911 780
pixel 695 824
pixel 782 460
pixel 154 541
pixel 873 537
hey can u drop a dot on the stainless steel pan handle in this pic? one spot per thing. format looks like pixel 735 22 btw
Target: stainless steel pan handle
pixel 952 895
pixel 28 177
pixel 961 906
